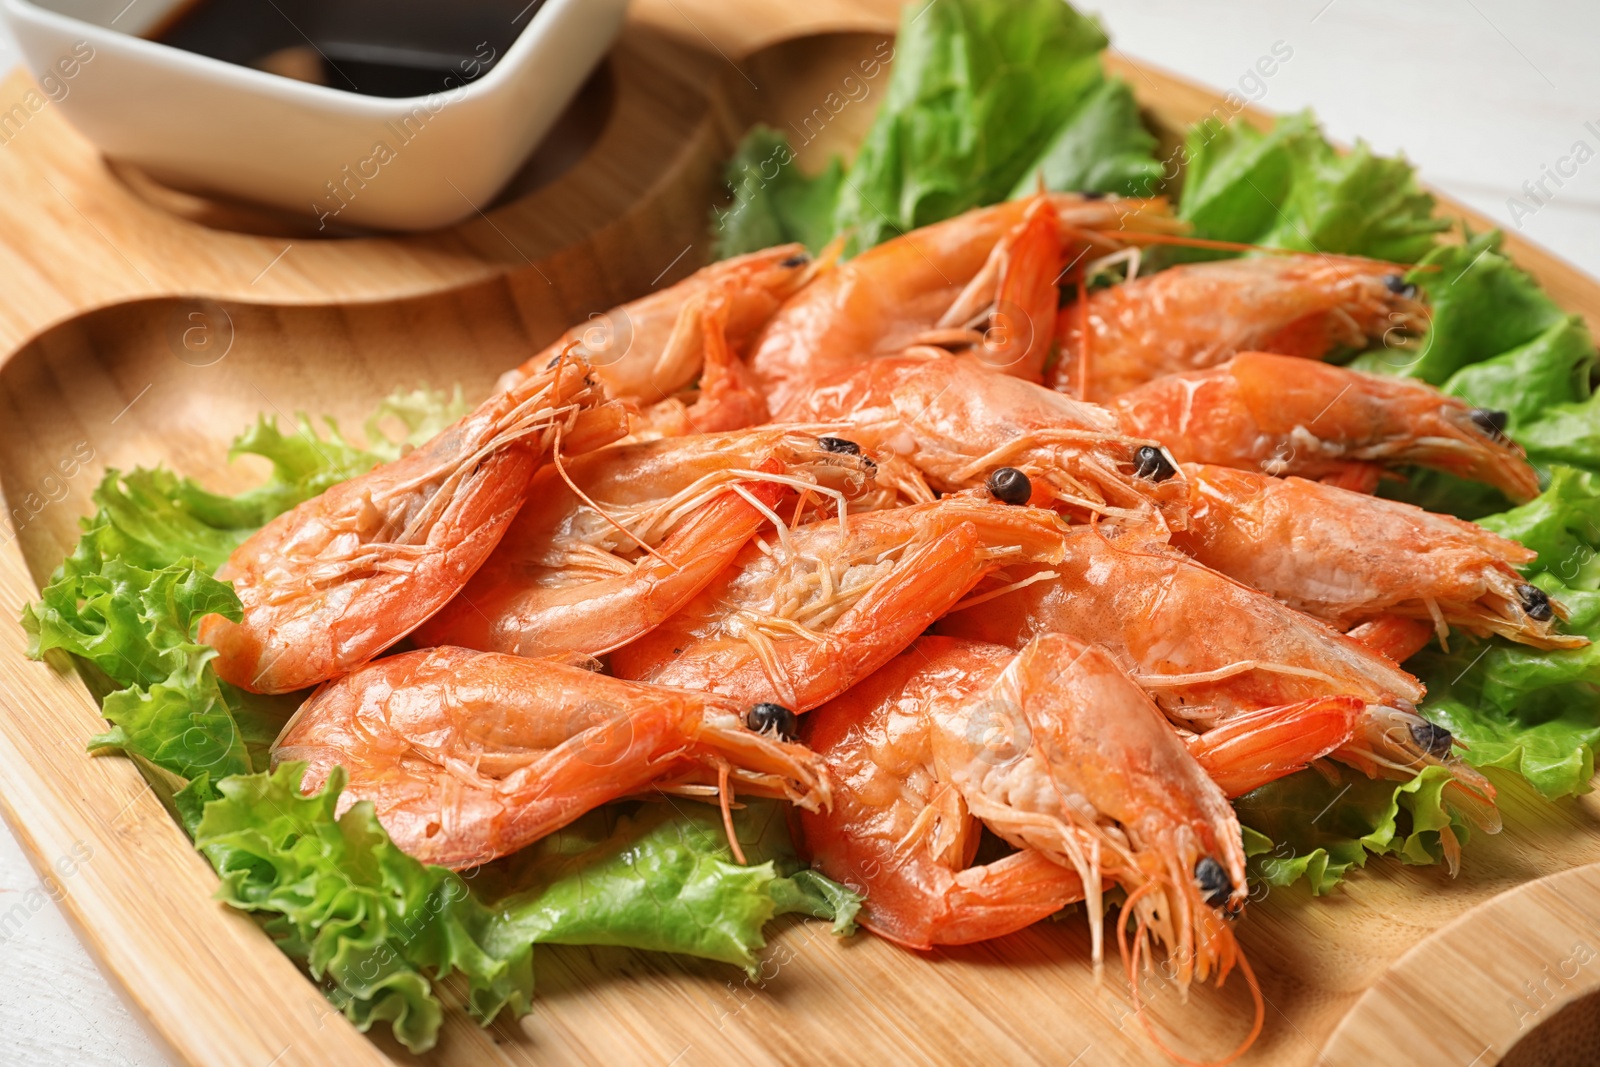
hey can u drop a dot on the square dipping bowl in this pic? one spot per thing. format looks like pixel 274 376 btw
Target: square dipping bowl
pixel 340 156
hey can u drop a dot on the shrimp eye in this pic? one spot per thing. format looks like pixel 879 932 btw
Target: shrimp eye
pixel 1092 194
pixel 799 259
pixel 840 445
pixel 1432 739
pixel 1150 462
pixel 1535 603
pixel 1010 486
pixel 1397 285
pixel 1489 421
pixel 1215 885
pixel 773 718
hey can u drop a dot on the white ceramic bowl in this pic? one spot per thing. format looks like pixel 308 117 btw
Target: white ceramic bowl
pixel 211 126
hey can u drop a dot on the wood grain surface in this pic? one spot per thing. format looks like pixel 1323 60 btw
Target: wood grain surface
pixel 356 317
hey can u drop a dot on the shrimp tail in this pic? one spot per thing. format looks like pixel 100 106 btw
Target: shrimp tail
pixel 730 396
pixel 1394 636
pixel 997 898
pixel 498 613
pixel 1023 318
pixel 1252 749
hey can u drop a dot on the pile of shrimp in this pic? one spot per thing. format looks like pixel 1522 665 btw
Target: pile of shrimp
pixel 980 531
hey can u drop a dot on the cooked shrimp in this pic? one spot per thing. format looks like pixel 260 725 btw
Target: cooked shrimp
pixel 653 347
pixel 957 423
pixel 1196 316
pixel 920 749
pixel 727 396
pixel 1282 415
pixel 613 543
pixel 468 756
pixel 984 280
pixel 1058 753
pixel 1349 558
pixel 1209 649
pixel 332 583
pixel 801 619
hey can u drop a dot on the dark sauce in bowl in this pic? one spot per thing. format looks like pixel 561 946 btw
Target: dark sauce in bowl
pixel 378 47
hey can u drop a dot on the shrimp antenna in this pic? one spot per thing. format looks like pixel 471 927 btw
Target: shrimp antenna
pixel 1132 961
pixel 555 459
pixel 831 252
pixel 725 799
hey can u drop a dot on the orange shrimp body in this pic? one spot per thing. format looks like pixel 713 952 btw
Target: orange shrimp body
pixel 1192 317
pixel 1209 649
pixel 898 828
pixel 727 395
pixel 984 279
pixel 616 541
pixel 1349 558
pixel 1056 751
pixel 800 620
pixel 956 422
pixel 653 347
pixel 467 756
pixel 335 581
pixel 1282 415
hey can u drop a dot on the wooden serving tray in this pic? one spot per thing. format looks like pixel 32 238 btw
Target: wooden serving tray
pixel 1402 964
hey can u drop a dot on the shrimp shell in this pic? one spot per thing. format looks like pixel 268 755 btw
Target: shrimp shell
pixel 1348 558
pixel 1209 649
pixel 1195 316
pixel 1056 751
pixel 333 582
pixel 1282 415
pixel 614 543
pixel 468 756
pixel 938 285
pixel 801 620
pixel 653 347
pixel 957 422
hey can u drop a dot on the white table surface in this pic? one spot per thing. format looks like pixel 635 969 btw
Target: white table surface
pixel 1480 94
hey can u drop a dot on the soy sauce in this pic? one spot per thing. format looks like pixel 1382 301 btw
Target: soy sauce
pixel 377 47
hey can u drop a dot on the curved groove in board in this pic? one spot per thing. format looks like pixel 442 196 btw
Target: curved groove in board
pixel 1470 992
pixel 92 241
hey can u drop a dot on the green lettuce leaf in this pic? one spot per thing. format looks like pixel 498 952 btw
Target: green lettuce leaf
pixel 773 203
pixel 1290 188
pixel 136 627
pixel 130 597
pixel 1482 306
pixel 1320 828
pixel 379 929
pixel 664 879
pixel 1533 712
pixel 1497 341
pixel 371 923
pixel 1562 524
pixel 1103 148
pixel 1549 371
pixel 1520 708
pixel 984 101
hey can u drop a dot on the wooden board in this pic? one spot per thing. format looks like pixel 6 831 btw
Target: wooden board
pixel 355 317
